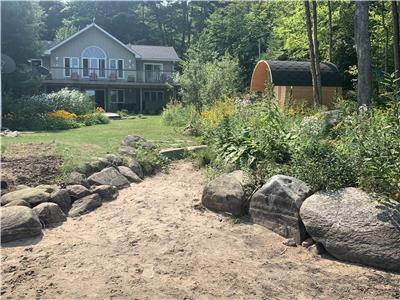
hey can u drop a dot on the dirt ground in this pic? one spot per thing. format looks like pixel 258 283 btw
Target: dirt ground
pixel 29 165
pixel 154 242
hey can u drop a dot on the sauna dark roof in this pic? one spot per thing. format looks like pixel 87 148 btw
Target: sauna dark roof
pixel 298 73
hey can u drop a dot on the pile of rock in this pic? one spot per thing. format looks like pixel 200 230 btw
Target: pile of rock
pixel 27 210
pixel 349 224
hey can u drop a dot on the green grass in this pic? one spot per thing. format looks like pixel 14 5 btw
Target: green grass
pixel 78 145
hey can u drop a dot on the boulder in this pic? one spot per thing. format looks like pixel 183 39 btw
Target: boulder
pixel 18 222
pixel 114 160
pixel 227 193
pixel 129 174
pixel 109 176
pixel 134 165
pixel 77 191
pixel 173 153
pixel 62 199
pixel 76 178
pixel 49 213
pixel 21 186
pixel 86 168
pixel 128 151
pixel 48 188
pixel 276 206
pixel 353 226
pixel 99 164
pixel 33 196
pixel 85 205
pixel 132 140
pixel 18 203
pixel 106 192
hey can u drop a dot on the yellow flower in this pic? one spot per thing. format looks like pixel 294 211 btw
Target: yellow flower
pixel 60 114
pixel 218 111
pixel 100 110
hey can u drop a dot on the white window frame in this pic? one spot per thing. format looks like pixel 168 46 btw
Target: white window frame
pixel 123 96
pixel 70 65
pixel 152 64
pixel 97 69
pixel 116 65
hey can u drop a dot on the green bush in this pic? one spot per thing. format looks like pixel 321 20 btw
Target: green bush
pixel 179 115
pixel 362 149
pixel 93 119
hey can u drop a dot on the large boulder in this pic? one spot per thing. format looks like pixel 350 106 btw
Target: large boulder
pixel 33 196
pixel 18 222
pixel 128 151
pixel 49 213
pixel 129 174
pixel 77 191
pixel 48 188
pixel 276 205
pixel 62 199
pixel 95 165
pixel 17 203
pixel 106 192
pixel 109 176
pixel 85 205
pixel 76 178
pixel 353 226
pixel 227 193
pixel 134 165
pixel 114 160
pixel 133 140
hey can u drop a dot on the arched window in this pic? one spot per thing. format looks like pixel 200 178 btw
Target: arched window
pixel 93 62
pixel 93 52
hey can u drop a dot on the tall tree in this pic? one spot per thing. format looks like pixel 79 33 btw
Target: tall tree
pixel 396 40
pixel 386 31
pixel 363 49
pixel 318 100
pixel 311 49
pixel 330 32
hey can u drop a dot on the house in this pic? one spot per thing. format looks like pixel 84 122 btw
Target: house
pixel 291 80
pixel 116 75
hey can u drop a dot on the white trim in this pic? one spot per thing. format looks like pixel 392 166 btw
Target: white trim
pixel 94 46
pixel 99 28
pixel 116 64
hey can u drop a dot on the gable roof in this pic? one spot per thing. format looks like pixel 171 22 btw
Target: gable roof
pixel 48 51
pixel 155 52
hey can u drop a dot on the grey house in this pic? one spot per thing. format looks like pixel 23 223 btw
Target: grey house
pixel 117 75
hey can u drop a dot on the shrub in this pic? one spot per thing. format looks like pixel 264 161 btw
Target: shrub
pixel 179 115
pixel 60 119
pixel 93 119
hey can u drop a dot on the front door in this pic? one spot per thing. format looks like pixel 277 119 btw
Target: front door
pixel 99 97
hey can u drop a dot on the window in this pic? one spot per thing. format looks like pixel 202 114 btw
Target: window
pixel 153 72
pixel 117 67
pixel 71 65
pixel 117 96
pixel 94 61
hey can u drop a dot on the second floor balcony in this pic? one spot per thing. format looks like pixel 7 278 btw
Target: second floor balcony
pixel 103 74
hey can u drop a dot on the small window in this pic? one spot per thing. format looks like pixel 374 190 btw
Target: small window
pixel 117 67
pixel 117 96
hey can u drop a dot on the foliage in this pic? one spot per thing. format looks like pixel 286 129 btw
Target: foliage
pixel 150 160
pixel 179 115
pixel 202 83
pixel 60 119
pixel 362 149
pixel 216 113
pixel 93 119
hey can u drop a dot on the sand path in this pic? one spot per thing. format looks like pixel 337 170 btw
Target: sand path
pixel 154 243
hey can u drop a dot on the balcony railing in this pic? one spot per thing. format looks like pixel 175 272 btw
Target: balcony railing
pixel 111 75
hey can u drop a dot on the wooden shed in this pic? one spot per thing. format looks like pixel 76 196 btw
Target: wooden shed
pixel 292 80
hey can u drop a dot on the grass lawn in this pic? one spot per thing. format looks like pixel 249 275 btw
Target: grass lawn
pixel 77 145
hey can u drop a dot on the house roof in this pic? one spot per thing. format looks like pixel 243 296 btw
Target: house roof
pixel 83 30
pixel 298 73
pixel 148 52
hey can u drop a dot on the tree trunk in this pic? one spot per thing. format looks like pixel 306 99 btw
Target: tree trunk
pixel 311 48
pixel 318 101
pixel 184 27
pixel 330 33
pixel 396 38
pixel 386 30
pixel 363 49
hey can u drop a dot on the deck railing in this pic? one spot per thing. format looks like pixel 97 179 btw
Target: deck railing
pixel 103 74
